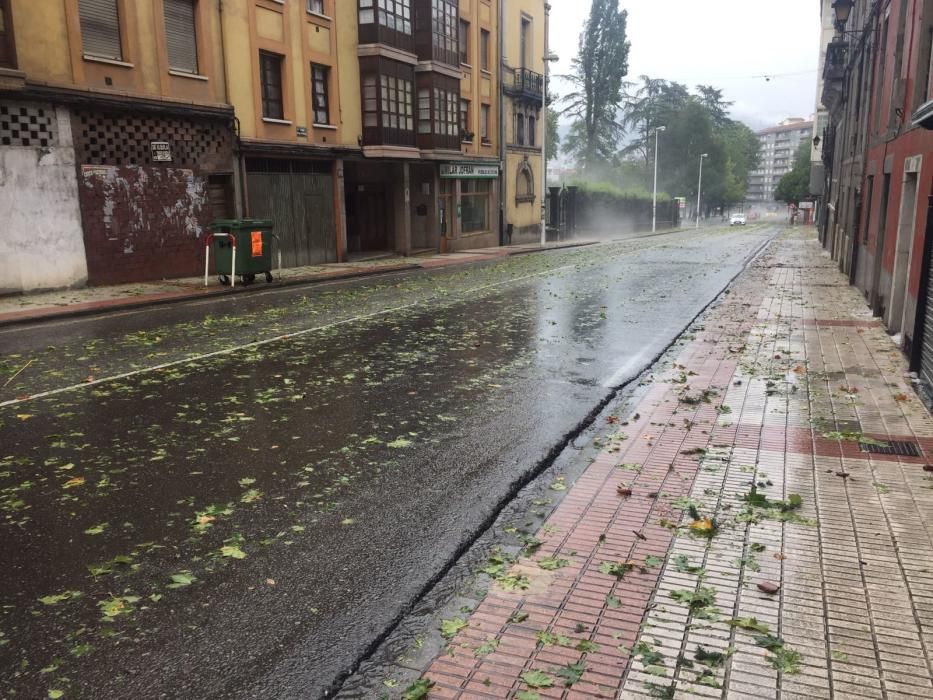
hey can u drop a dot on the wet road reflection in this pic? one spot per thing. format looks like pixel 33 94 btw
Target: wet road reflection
pixel 244 524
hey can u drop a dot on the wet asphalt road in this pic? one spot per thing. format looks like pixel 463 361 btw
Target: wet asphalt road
pixel 234 498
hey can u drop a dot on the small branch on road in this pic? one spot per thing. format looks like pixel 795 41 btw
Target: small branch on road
pixel 18 372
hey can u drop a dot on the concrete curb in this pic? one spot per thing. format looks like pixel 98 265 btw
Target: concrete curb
pixel 152 301
pixel 144 302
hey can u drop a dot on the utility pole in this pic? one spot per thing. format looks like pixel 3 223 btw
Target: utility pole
pixel 700 187
pixel 654 200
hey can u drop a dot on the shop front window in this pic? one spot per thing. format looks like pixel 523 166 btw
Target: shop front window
pixel 446 206
pixel 474 205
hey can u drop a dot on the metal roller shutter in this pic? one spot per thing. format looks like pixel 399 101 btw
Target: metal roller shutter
pixel 299 198
pixel 926 351
pixel 180 35
pixel 100 28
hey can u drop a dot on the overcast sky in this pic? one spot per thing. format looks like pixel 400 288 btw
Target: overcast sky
pixel 731 44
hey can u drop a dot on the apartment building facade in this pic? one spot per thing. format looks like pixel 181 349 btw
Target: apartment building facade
pixel 357 126
pixel 116 142
pixel 779 146
pixel 524 28
pixel 878 160
pixel 365 131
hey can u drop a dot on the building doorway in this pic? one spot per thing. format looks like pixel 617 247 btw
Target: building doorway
pixel 367 219
pixel 298 196
pixel 907 218
pixel 876 298
pixel 368 200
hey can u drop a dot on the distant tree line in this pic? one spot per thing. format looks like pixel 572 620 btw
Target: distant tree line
pixel 613 122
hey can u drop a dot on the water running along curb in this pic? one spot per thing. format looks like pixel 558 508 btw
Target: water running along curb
pixel 522 481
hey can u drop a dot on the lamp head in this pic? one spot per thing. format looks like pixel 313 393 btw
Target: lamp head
pixel 843 9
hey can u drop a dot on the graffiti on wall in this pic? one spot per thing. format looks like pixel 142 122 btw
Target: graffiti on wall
pixel 142 222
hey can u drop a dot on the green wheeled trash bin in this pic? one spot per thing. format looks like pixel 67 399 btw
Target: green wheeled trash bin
pixel 242 247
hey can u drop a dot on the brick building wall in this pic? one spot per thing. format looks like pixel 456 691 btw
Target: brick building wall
pixel 879 165
pixel 145 219
pixel 142 223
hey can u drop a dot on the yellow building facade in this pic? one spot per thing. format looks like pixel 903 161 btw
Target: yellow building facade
pixel 359 127
pixel 376 108
pixel 123 104
pixel 523 29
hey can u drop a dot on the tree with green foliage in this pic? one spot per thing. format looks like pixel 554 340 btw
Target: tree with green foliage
pixel 794 187
pixel 597 75
pixel 711 98
pixel 646 106
pixel 553 135
pixel 742 149
pixel 694 124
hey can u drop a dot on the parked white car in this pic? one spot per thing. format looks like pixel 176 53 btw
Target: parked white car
pixel 738 220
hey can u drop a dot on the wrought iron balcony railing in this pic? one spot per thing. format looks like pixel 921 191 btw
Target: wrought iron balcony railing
pixel 525 83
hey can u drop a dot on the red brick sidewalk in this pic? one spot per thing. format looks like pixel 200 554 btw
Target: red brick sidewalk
pixel 737 538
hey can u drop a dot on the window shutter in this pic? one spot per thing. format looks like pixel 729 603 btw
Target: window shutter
pixel 100 28
pixel 180 36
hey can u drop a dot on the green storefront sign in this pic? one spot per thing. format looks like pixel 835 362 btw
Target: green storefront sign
pixel 469 171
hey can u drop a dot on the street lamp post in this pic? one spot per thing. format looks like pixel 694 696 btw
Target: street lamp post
pixel 654 200
pixel 700 186
pixel 548 59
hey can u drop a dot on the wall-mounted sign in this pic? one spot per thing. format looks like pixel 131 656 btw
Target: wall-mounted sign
pixel 161 151
pixel 301 131
pixel 469 171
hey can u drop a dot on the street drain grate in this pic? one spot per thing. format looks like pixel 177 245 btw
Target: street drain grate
pixel 892 447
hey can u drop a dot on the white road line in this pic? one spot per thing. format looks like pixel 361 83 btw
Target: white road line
pixel 264 341
pixel 286 336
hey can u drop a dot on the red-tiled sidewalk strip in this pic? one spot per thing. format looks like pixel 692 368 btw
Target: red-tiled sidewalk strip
pixel 743 464
pixel 55 304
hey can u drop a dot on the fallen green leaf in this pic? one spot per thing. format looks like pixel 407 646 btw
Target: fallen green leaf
pixel 537 679
pixel 571 673
pixel 552 563
pixel 59 597
pixel 182 579
pixel 232 551
pixel 449 628
pixel 418 690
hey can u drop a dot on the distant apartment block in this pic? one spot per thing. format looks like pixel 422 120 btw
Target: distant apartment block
pixel 779 146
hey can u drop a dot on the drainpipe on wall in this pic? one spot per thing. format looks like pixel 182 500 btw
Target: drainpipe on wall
pixel 240 206
pixel 223 52
pixel 502 173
